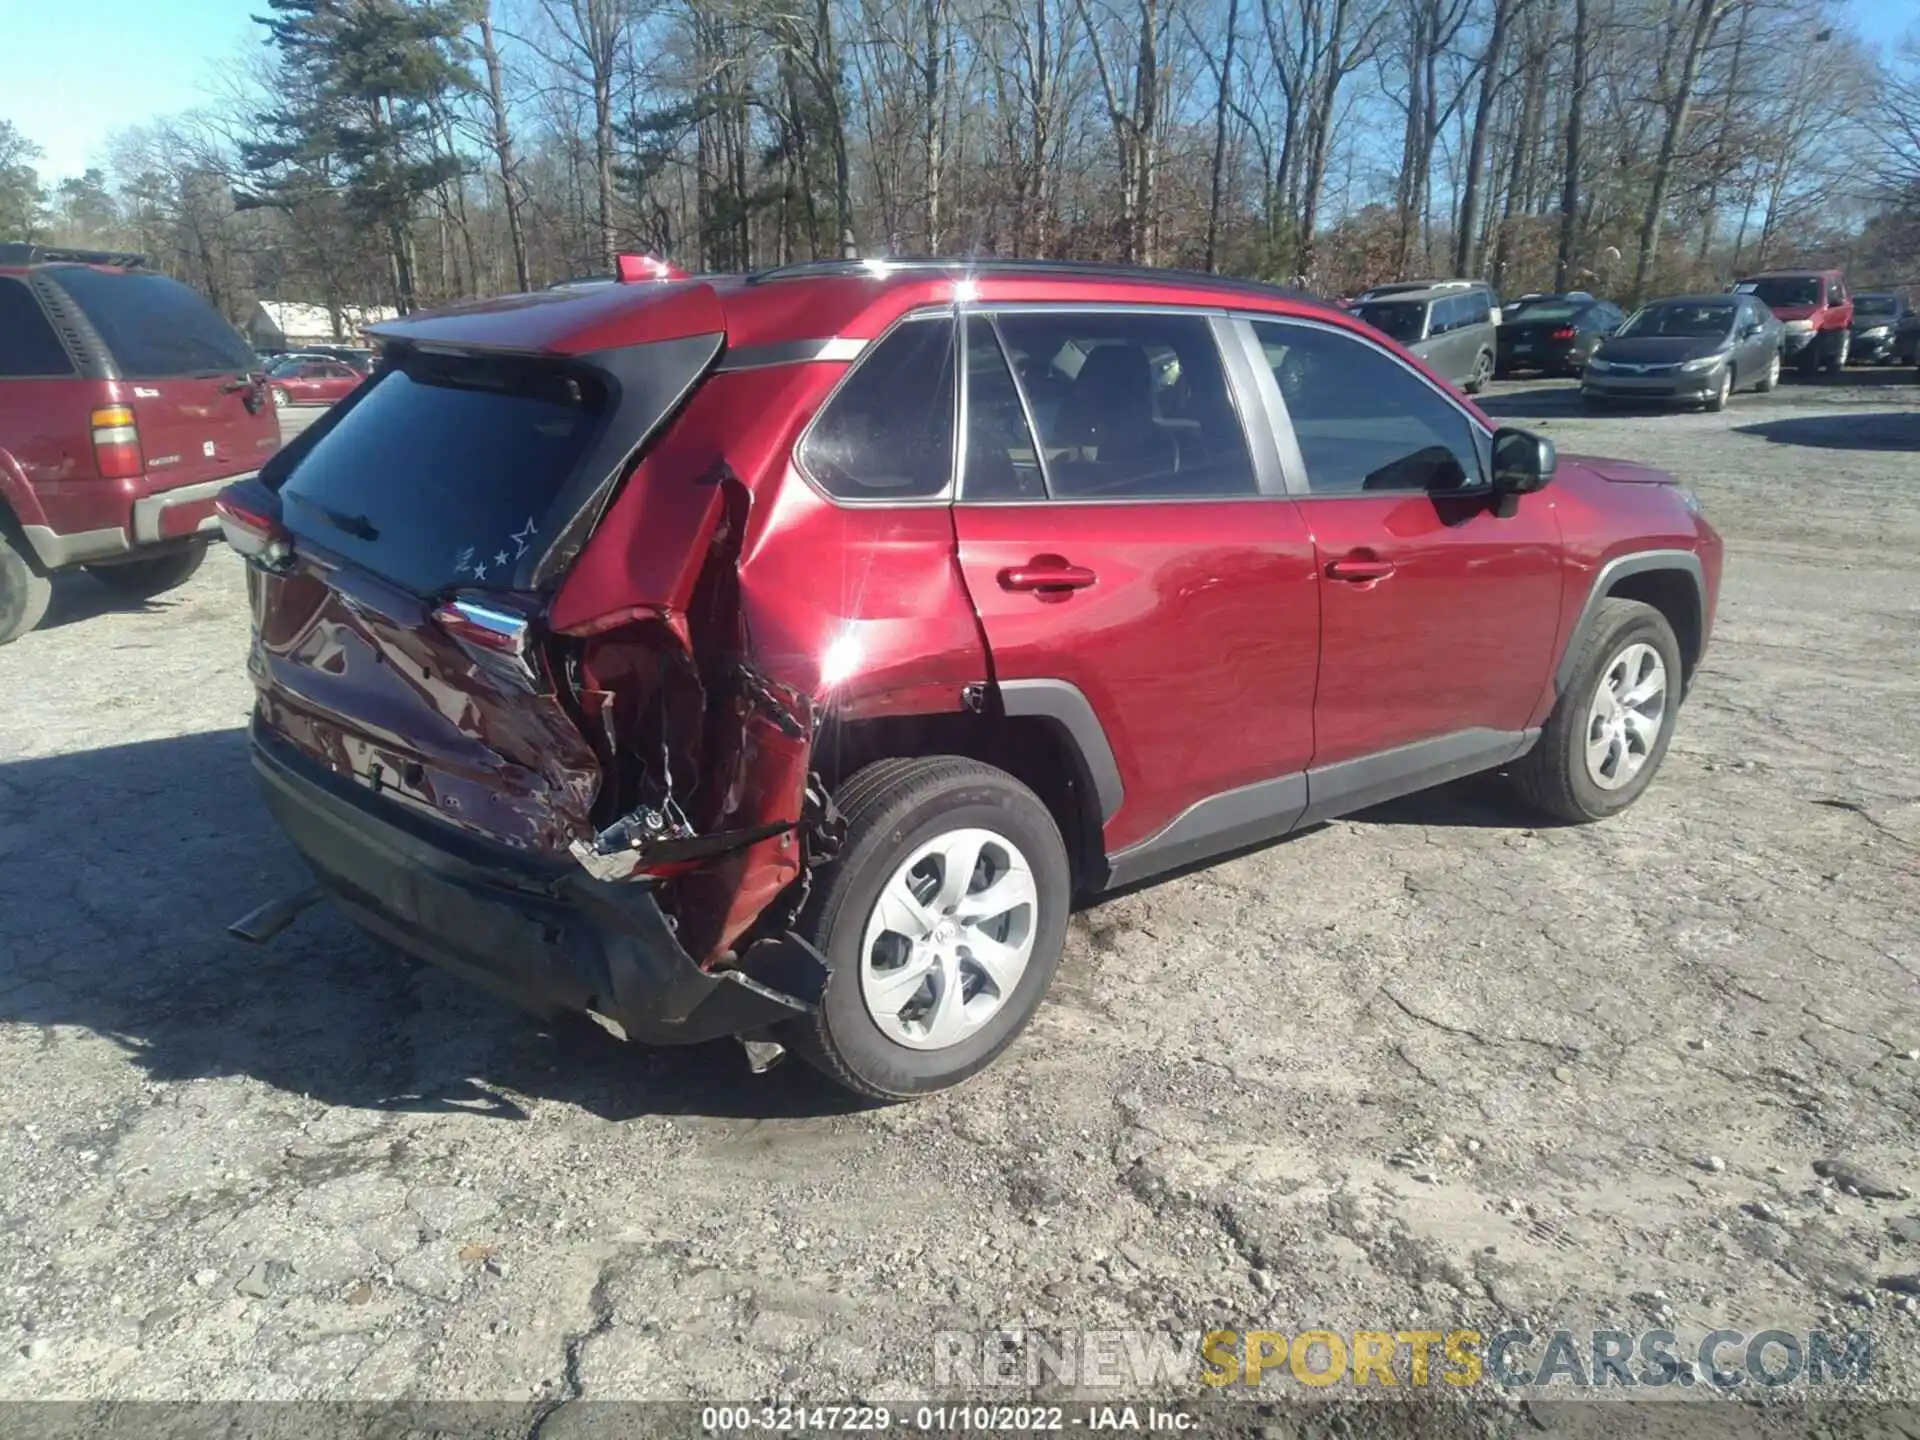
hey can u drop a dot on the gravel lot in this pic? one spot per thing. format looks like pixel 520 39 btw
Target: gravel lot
pixel 1423 1068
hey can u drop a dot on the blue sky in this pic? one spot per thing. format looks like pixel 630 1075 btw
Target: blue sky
pixel 73 73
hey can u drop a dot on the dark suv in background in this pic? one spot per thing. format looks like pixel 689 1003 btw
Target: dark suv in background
pixel 1883 321
pixel 781 656
pixel 126 404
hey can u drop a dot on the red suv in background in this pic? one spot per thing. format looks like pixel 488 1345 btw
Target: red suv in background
pixel 781 656
pixel 1815 310
pixel 126 404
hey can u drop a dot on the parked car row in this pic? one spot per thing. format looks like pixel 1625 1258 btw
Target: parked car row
pixel 1688 349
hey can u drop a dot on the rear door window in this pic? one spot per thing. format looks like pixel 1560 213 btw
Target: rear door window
pixel 1126 405
pixel 442 474
pixel 29 348
pixel 154 328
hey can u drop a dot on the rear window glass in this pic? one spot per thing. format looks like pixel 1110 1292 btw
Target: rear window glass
pixel 1783 290
pixel 1876 304
pixel 1399 321
pixel 28 344
pixel 442 473
pixel 154 327
pixel 1545 310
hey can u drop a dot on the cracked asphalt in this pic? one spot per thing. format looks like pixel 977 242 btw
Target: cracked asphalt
pixel 1429 1067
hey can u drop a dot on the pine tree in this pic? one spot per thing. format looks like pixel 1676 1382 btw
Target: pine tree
pixel 361 80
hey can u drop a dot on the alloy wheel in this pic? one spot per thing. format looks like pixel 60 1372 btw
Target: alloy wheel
pixel 1773 370
pixel 949 938
pixel 1623 721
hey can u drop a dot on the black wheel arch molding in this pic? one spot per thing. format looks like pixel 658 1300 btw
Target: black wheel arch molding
pixel 1692 635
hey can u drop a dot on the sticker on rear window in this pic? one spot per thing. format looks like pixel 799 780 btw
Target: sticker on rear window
pixel 522 538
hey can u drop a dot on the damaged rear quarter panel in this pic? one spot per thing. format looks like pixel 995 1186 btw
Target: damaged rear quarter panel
pixel 430 729
pixel 815 610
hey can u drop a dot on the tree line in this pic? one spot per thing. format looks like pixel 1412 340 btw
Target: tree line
pixel 412 152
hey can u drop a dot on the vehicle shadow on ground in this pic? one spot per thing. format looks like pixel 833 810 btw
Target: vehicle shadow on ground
pixel 78 597
pixel 1842 431
pixel 122 868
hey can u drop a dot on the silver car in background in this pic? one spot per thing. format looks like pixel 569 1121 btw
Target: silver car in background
pixel 1452 326
pixel 1687 350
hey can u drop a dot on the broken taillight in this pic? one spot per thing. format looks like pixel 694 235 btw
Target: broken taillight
pixel 116 443
pixel 259 537
pixel 481 625
pixel 496 637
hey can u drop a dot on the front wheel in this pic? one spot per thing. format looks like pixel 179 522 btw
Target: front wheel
pixel 1772 377
pixel 1609 729
pixel 281 398
pixel 1722 392
pixel 942 920
pixel 143 579
pixel 1839 353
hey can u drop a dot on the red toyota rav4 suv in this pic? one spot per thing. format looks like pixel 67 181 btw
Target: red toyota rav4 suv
pixel 126 403
pixel 781 656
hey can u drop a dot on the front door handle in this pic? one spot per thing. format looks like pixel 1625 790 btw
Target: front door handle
pixel 1046 574
pixel 1358 569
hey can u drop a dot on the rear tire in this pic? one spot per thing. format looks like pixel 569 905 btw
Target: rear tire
pixel 24 591
pixel 281 398
pixel 1558 775
pixel 903 818
pixel 143 579
pixel 1482 372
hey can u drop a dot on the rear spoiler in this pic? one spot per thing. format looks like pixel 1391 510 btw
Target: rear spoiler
pixel 16 252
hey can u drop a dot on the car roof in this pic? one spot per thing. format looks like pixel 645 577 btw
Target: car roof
pixel 816 301
pixel 1789 275
pixel 19 255
pixel 1421 297
pixel 1717 297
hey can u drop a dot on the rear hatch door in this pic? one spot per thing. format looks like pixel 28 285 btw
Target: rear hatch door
pixel 185 371
pixel 434 509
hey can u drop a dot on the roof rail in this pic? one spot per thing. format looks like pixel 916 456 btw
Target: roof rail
pixel 978 266
pixel 19 252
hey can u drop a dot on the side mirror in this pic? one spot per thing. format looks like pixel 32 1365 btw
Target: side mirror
pixel 1523 462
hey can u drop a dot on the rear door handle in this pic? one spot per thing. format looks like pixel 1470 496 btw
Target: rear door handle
pixel 1360 568
pixel 1046 576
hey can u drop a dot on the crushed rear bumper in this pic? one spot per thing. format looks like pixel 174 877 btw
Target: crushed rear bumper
pixel 547 939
